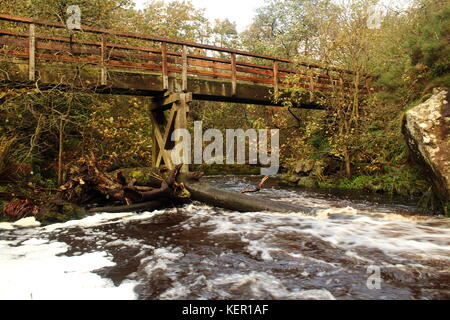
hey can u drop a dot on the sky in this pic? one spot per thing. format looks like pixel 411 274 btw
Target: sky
pixel 243 11
pixel 239 11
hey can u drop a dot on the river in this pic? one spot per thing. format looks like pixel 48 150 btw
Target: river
pixel 200 252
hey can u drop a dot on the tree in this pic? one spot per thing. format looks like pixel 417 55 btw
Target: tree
pixel 175 19
pixel 286 27
pixel 224 34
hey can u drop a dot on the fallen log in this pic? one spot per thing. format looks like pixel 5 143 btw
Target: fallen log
pixel 213 196
pixel 88 180
pixel 240 202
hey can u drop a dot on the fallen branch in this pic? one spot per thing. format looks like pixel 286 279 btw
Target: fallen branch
pixel 260 186
pixel 88 180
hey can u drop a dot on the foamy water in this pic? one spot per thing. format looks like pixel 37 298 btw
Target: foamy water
pixel 200 252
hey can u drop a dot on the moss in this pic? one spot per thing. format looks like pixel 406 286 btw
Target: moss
pixel 431 202
pixel 58 213
pixel 308 182
pixel 406 181
pixel 144 176
pixel 137 174
pixel 290 179
pixel 213 170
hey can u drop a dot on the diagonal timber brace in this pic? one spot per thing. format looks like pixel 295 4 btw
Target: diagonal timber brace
pixel 168 114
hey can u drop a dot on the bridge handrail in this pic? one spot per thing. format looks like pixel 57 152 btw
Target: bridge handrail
pixel 130 35
pixel 272 71
pixel 11 18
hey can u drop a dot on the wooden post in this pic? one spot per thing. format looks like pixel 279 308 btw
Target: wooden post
pixel 233 75
pixel 275 76
pixel 32 53
pixel 311 85
pixel 163 126
pixel 165 70
pixel 181 119
pixel 184 85
pixel 103 61
pixel 160 153
pixel 155 147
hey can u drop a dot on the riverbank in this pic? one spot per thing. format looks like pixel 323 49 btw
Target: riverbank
pixel 404 182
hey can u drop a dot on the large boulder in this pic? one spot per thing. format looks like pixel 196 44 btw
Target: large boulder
pixel 427 129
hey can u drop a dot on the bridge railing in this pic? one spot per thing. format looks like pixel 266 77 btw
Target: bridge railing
pixel 43 41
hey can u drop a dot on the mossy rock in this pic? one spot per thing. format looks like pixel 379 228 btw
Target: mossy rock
pixel 308 182
pixel 144 176
pixel 61 212
pixel 214 169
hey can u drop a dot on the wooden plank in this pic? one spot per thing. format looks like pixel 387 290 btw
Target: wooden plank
pixel 275 76
pixel 233 75
pixel 170 100
pixel 155 147
pixel 165 70
pixel 221 75
pixel 52 57
pixel 103 80
pixel 157 119
pixel 181 121
pixel 134 65
pixel 168 144
pixel 32 54
pixel 185 70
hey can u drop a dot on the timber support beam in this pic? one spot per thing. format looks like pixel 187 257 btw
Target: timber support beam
pixel 168 114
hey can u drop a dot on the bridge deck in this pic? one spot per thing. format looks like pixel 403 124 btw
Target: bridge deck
pixel 109 61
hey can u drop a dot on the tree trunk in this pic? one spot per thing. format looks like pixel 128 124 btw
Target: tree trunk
pixel 212 196
pixel 348 165
pixel 239 202
pixel 61 153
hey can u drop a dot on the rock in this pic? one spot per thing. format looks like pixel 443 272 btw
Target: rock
pixel 427 129
pixel 6 226
pixel 304 167
pixel 60 211
pixel 27 223
pixel 308 182
pixel 289 178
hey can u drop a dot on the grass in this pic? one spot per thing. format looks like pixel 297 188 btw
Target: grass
pixel 405 182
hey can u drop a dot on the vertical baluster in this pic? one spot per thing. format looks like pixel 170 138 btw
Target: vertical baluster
pixel 233 74
pixel 103 61
pixel 165 70
pixel 32 53
pixel 185 69
pixel 275 76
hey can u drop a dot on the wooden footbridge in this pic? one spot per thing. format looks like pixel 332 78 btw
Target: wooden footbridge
pixel 172 72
